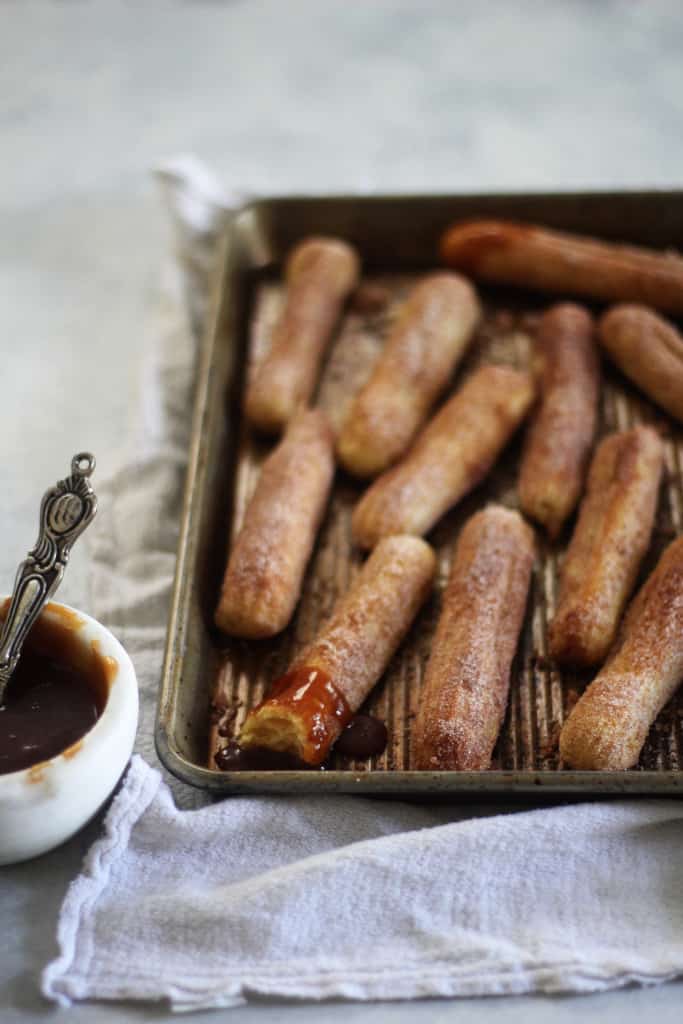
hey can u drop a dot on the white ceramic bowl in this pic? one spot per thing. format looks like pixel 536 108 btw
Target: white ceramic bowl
pixel 43 805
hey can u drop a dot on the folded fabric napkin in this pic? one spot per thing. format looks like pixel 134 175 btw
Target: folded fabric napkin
pixel 360 899
pixel 315 898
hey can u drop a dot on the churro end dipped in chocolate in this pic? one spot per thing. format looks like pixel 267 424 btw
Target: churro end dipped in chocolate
pixel 530 256
pixel 425 345
pixel 266 567
pixel 465 690
pixel 611 537
pixel 453 453
pixel 330 679
pixel 320 274
pixel 649 351
pixel 563 426
pixel 608 726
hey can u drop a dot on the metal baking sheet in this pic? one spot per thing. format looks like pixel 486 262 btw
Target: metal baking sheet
pixel 210 681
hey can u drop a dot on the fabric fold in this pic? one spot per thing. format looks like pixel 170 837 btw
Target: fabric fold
pixel 358 899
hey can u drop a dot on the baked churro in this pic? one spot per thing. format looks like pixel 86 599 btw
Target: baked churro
pixel 320 274
pixel 465 691
pixel 562 430
pixel 611 537
pixel 609 725
pixel 649 350
pixel 451 455
pixel 266 567
pixel 427 342
pixel 535 257
pixel 330 679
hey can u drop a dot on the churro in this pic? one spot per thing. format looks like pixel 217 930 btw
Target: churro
pixel 561 432
pixel 320 274
pixel 465 691
pixel 425 345
pixel 309 706
pixel 266 567
pixel 451 455
pixel 611 537
pixel 609 725
pixel 535 257
pixel 649 350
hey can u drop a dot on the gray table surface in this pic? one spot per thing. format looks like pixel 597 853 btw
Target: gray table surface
pixel 277 97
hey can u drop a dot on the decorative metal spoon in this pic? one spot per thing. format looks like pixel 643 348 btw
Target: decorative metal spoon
pixel 65 511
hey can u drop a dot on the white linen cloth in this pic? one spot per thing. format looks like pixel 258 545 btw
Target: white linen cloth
pixel 341 897
pixel 360 899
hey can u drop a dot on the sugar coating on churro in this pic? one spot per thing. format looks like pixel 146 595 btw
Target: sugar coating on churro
pixel 563 426
pixel 320 274
pixel 365 628
pixel 610 539
pixel 349 654
pixel 425 344
pixel 608 726
pixel 464 695
pixel 649 350
pixel 451 455
pixel 265 570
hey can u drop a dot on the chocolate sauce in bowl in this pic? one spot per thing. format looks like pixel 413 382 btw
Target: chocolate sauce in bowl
pixel 49 705
pixel 56 693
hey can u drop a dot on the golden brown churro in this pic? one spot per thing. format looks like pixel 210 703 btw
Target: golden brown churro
pixel 320 274
pixel 330 679
pixel 451 455
pixel 611 536
pixel 536 257
pixel 265 570
pixel 427 342
pixel 649 351
pixel 464 696
pixel 563 427
pixel 609 725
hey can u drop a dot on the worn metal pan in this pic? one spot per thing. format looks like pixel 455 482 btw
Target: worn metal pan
pixel 397 238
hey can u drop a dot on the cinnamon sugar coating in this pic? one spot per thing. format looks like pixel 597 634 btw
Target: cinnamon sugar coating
pixel 649 350
pixel 265 570
pixel 561 433
pixel 451 455
pixel 465 690
pixel 320 274
pixel 425 345
pixel 356 644
pixel 609 725
pixel 611 537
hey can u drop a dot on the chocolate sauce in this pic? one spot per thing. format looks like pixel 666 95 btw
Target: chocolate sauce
pixel 49 705
pixel 364 736
pixel 233 758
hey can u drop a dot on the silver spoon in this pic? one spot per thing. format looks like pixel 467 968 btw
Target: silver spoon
pixel 65 511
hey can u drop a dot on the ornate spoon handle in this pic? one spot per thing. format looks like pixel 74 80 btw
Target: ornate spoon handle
pixel 65 511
